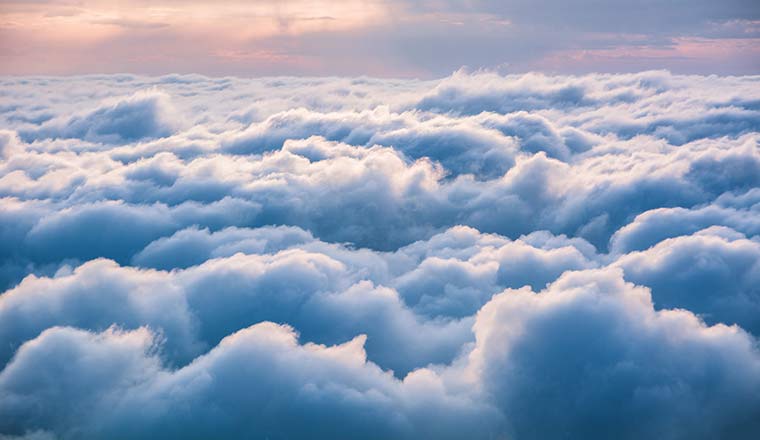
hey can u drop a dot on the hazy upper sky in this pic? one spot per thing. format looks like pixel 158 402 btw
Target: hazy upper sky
pixel 420 38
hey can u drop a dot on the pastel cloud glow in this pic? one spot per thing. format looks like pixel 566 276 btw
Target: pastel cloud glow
pixel 378 37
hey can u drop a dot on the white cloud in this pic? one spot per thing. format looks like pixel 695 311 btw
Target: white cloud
pixel 335 252
pixel 714 273
pixel 147 114
pixel 590 346
pixel 591 355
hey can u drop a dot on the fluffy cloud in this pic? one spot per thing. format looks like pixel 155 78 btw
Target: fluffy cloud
pixel 590 355
pixel 193 246
pixel 715 273
pixel 9 143
pixel 533 352
pixel 142 115
pixel 285 275
pixel 656 225
pixel 196 308
pixel 258 382
pixel 484 256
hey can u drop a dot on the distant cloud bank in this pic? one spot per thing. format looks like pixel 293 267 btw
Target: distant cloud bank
pixel 481 256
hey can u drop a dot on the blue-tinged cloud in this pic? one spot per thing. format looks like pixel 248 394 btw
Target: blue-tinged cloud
pixel 480 256
pixel 590 346
pixel 457 284
pixel 196 308
pixel 589 357
pixel 467 94
pixel 462 146
pixel 714 273
pixel 9 143
pixel 415 307
pixel 142 115
pixel 656 225
pixel 258 382
pixel 193 246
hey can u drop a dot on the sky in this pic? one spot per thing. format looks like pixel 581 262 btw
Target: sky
pixel 385 38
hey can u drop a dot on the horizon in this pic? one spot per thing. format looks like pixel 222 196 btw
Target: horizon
pixel 461 70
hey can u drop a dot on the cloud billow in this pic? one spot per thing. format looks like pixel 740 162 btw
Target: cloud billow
pixel 482 256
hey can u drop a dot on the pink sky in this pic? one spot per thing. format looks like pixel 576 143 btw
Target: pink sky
pixel 350 37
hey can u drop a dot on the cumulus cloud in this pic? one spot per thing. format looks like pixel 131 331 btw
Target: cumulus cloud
pixel 9 143
pixel 193 246
pixel 664 367
pixel 196 308
pixel 139 116
pixel 481 256
pixel 257 382
pixel 467 94
pixel 714 273
pixel 655 225
pixel 591 351
pixel 462 146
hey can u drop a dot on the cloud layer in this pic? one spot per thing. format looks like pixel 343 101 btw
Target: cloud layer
pixel 481 256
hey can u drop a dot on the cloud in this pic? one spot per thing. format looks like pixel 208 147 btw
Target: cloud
pixel 714 273
pixel 9 143
pixel 655 225
pixel 196 308
pixel 666 367
pixel 253 384
pixel 461 146
pixel 592 350
pixel 417 179
pixel 458 284
pixel 193 246
pixel 481 256
pixel 413 307
pixel 142 115
pixel 467 94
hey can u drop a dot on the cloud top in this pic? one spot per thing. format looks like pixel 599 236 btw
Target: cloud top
pixel 481 256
